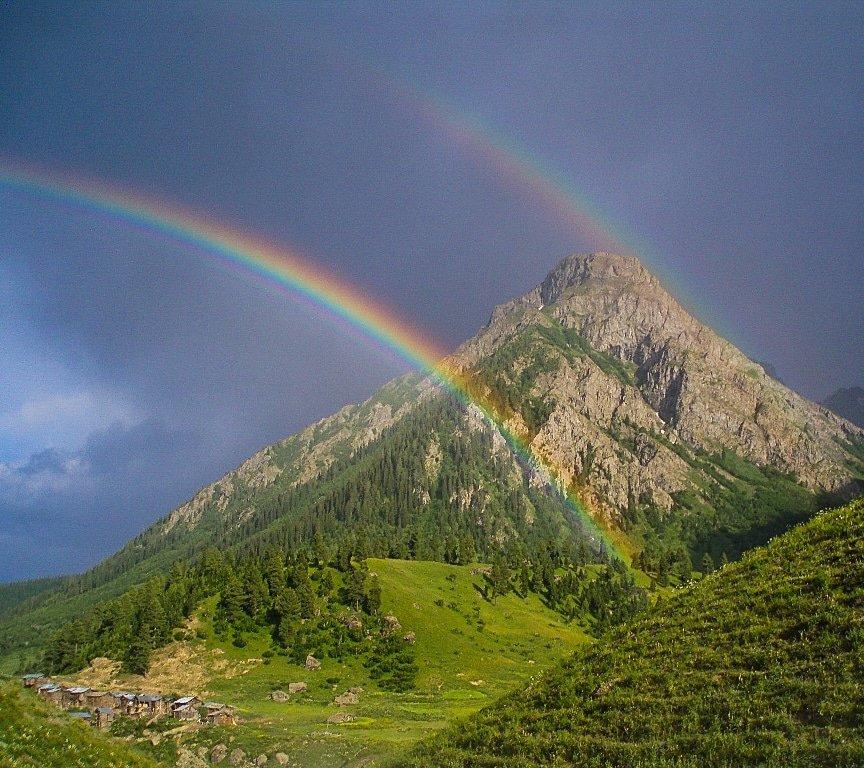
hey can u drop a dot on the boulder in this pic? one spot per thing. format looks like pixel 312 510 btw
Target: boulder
pixel 237 757
pixel 261 760
pixel 355 624
pixel 410 638
pixel 391 624
pixel 340 717
pixel 346 699
pixel 280 695
pixel 297 688
pixel 312 662
pixel 218 753
pixel 281 758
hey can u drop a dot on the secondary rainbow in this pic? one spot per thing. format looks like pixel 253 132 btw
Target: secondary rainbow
pixel 306 280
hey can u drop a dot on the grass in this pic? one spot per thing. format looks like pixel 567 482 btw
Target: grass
pixel 761 663
pixel 469 651
pixel 33 733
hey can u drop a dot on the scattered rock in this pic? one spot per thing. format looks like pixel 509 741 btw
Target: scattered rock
pixel 279 695
pixel 312 662
pixel 391 624
pixel 237 757
pixel 218 753
pixel 355 623
pixel 281 758
pixel 261 760
pixel 297 688
pixel 410 638
pixel 340 717
pixel 346 699
pixel 604 688
pixel 188 759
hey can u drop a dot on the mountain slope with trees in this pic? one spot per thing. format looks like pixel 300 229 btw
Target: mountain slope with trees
pixel 682 449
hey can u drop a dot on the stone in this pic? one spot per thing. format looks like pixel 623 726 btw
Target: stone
pixel 279 695
pixel 391 624
pixel 237 757
pixel 410 638
pixel 346 699
pixel 297 688
pixel 340 717
pixel 261 760
pixel 312 663
pixel 281 758
pixel 218 753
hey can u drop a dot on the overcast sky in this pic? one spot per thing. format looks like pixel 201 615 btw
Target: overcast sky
pixel 398 145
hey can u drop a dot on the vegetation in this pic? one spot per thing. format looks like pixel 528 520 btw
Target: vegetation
pixel 328 607
pixel 758 664
pixel 35 734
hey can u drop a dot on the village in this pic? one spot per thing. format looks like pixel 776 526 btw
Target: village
pixel 101 708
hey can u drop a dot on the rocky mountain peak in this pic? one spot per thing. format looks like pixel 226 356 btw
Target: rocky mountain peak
pixel 581 268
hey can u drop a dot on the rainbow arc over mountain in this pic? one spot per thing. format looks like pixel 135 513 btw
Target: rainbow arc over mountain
pixel 306 282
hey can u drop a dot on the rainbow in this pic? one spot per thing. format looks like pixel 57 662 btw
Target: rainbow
pixel 306 281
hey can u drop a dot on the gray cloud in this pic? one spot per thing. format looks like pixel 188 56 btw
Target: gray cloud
pixel 729 140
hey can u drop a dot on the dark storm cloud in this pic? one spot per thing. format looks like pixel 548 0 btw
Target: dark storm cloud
pixel 728 138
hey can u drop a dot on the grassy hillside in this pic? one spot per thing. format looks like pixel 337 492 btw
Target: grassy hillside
pixel 469 651
pixel 761 663
pixel 33 733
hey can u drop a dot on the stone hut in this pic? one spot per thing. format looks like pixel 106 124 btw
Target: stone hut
pixel 51 692
pixel 34 680
pixel 125 703
pixel 96 699
pixel 151 705
pixel 75 697
pixel 103 717
pixel 221 715
pixel 185 708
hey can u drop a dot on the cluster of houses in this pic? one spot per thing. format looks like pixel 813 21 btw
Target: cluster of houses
pixel 101 707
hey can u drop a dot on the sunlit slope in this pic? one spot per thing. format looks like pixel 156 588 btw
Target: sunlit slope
pixel 35 734
pixel 760 664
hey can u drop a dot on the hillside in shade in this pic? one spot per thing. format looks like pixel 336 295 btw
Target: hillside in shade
pixel 848 403
pixel 684 451
pixel 757 664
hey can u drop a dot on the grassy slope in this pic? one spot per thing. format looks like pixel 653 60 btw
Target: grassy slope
pixel 33 733
pixel 759 664
pixel 469 652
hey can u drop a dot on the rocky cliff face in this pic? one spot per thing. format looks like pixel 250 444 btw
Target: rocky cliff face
pixel 612 429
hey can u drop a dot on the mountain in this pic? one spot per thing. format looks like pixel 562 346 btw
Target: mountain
pixel 758 664
pixel 848 403
pixel 682 450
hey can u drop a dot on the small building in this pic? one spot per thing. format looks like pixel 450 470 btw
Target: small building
pixel 74 697
pixel 51 692
pixel 96 699
pixel 186 712
pixel 103 717
pixel 83 716
pixel 125 703
pixel 222 716
pixel 34 680
pixel 151 705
